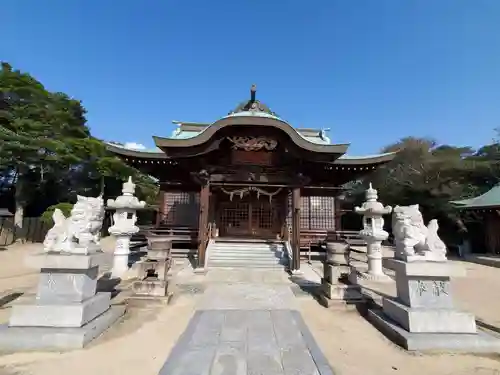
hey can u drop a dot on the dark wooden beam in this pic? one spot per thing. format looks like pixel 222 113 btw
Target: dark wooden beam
pixel 291 186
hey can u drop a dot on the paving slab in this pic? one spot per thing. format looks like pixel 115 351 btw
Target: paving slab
pixel 247 296
pixel 246 342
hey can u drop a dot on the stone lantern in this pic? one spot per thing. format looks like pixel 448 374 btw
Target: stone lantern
pixel 124 227
pixel 373 233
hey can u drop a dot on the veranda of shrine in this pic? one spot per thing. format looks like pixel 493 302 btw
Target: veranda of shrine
pixel 249 176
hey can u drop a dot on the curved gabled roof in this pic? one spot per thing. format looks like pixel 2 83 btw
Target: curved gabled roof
pixel 252 113
pixel 255 113
pixel 251 118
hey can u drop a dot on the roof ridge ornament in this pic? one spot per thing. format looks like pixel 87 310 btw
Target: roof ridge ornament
pixel 253 105
pixel 253 92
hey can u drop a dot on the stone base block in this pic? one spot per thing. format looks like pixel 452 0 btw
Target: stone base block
pixel 160 268
pixel 333 274
pixel 340 305
pixel 45 338
pixel 480 342
pixel 159 244
pixel 59 314
pixel 159 254
pixel 356 277
pixel 383 278
pixel 66 261
pixel 200 271
pixel 424 268
pixel 342 292
pixel 427 320
pixel 75 285
pixel 138 301
pixel 157 288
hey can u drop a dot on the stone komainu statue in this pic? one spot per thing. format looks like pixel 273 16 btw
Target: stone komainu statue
pixel 80 232
pixel 413 239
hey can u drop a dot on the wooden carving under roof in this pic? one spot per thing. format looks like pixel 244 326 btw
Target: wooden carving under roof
pixel 252 143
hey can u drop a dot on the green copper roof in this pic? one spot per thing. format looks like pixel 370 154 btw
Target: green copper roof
pixel 317 136
pixel 183 134
pixel 489 199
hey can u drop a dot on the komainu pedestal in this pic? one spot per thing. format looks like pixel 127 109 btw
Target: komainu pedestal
pixel 66 313
pixel 423 316
pixel 335 287
pixel 152 270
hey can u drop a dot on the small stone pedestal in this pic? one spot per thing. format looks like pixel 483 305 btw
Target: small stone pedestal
pixel 153 270
pixel 423 317
pixel 67 313
pixel 335 286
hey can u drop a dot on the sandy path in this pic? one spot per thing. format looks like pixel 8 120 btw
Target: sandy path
pixel 354 347
pixel 141 343
pixel 137 345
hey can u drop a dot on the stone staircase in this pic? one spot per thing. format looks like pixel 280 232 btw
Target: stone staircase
pixel 247 254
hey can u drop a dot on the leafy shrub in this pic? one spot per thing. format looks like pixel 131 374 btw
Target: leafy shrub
pixel 63 206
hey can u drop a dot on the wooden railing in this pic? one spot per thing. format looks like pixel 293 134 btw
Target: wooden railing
pixel 312 242
pixel 317 237
pixel 177 234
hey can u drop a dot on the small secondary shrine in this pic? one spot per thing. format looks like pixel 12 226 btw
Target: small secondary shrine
pixel 250 174
pixel 487 207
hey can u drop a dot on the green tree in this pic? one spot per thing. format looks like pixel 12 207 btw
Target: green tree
pixel 26 131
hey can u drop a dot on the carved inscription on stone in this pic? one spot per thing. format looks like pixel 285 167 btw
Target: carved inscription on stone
pixel 437 288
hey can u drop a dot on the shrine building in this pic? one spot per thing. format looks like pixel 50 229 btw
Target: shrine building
pixel 248 176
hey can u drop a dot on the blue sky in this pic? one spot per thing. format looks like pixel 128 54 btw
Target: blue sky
pixel 372 71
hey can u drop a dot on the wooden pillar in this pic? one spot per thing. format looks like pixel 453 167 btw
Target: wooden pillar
pixel 160 214
pixel 295 242
pixel 285 236
pixel 203 223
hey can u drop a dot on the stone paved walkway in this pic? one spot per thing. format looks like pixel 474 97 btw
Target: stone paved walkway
pixel 247 329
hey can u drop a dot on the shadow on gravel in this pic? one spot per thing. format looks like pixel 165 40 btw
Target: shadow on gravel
pixel 8 299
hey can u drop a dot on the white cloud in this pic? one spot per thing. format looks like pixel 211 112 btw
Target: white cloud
pixel 134 146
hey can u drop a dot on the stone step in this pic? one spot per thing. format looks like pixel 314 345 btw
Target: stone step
pixel 248 251
pixel 247 240
pixel 239 260
pixel 243 248
pixel 247 244
pixel 249 259
pixel 243 258
pixel 243 254
pixel 244 251
pixel 244 265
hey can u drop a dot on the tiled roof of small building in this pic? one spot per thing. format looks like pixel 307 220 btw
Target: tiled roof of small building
pixel 489 199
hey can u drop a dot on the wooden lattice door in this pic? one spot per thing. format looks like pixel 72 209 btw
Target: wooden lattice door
pixel 263 221
pixel 250 218
pixel 234 219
